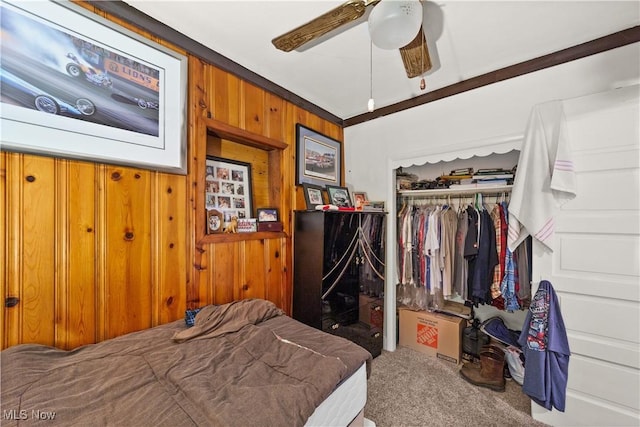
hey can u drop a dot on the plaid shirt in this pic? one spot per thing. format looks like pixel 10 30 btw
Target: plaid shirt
pixel 190 316
pixel 508 285
pixel 498 271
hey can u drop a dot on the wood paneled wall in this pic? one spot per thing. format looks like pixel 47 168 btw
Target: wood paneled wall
pixel 94 251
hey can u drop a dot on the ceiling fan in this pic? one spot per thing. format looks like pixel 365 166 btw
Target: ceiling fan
pixel 393 24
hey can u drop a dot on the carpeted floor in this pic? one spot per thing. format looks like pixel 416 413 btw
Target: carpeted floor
pixel 408 388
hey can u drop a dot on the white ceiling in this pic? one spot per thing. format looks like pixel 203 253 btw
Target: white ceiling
pixel 465 39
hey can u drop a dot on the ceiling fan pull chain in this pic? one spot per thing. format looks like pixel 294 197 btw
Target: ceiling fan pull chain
pixel 423 84
pixel 371 105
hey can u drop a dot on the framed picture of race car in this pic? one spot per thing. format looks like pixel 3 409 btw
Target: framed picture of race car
pixel 75 85
pixel 319 158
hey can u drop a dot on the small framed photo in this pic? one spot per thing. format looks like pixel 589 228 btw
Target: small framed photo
pixel 339 196
pixel 215 221
pixel 376 205
pixel 360 199
pixel 267 214
pixel 312 195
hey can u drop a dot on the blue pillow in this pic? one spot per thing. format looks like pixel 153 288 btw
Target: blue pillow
pixel 190 316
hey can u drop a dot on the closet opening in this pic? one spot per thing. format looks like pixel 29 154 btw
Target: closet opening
pixel 451 250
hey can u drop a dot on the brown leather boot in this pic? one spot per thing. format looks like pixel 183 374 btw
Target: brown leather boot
pixel 492 348
pixel 490 372
pixel 488 348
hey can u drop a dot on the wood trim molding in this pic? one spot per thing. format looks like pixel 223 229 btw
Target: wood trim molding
pixel 242 136
pixel 599 45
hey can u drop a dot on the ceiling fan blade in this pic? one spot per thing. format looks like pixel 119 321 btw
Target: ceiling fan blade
pixel 415 56
pixel 321 25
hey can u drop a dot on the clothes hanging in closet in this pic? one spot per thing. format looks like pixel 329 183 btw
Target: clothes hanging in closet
pixel 444 253
pixel 427 246
pixel 483 263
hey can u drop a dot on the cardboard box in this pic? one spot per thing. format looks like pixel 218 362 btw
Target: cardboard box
pixel 435 334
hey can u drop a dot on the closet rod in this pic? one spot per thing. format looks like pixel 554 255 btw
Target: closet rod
pixel 453 192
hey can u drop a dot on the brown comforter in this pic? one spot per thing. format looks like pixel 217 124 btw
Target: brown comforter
pixel 242 364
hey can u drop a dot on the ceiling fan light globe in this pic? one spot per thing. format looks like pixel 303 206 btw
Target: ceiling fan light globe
pixel 394 24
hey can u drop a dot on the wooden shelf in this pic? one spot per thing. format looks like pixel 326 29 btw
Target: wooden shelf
pixel 242 136
pixel 236 237
pixel 453 192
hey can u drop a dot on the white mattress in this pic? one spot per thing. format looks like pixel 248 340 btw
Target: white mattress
pixel 344 404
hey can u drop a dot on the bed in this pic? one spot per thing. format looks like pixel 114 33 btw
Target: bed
pixel 242 364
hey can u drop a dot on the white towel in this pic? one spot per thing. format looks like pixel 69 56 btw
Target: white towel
pixel 545 178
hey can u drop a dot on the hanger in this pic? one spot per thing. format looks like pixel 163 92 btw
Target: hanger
pixel 402 208
pixel 478 202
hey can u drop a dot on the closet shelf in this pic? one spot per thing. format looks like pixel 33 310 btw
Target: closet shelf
pixel 453 192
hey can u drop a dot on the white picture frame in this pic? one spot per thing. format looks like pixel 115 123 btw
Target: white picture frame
pixel 75 85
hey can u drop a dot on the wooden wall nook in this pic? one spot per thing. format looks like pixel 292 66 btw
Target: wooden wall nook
pixel 242 265
pixel 265 156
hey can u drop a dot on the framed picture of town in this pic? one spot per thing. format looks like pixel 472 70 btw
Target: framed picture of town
pixel 319 158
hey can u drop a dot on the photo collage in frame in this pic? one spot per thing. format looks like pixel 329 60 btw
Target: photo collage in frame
pixel 228 188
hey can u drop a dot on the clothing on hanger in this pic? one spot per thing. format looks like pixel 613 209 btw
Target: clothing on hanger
pixel 448 251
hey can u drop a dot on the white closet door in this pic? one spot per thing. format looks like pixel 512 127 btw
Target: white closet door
pixel 595 265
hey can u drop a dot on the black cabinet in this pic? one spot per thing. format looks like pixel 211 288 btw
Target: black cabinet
pixel 339 274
